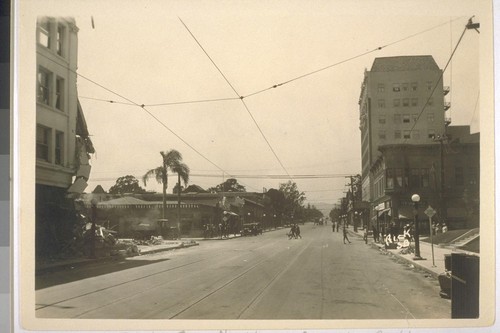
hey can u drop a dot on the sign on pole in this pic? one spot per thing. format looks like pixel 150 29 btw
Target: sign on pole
pixel 430 212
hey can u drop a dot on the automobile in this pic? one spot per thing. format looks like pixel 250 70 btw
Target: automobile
pixel 253 229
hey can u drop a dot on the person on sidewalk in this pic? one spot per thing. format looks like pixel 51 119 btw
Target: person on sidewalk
pixel 375 234
pixel 344 230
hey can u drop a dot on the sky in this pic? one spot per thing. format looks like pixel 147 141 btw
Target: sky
pixel 148 52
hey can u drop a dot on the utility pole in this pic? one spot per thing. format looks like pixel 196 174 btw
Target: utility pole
pixel 442 202
pixel 353 199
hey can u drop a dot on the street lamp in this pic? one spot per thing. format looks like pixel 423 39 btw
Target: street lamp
pixel 416 198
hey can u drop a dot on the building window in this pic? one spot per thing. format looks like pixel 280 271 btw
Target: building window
pixel 416 134
pixel 44 34
pixel 381 87
pixel 60 93
pixel 429 85
pixel 406 102
pixel 381 135
pixel 395 87
pixel 397 118
pixel 396 102
pixel 414 102
pixel 381 119
pixel 61 33
pixel 59 148
pixel 425 177
pixel 405 86
pixel 431 134
pixel 414 117
pixel 415 178
pixel 44 79
pixel 389 178
pixel 459 176
pixel 381 103
pixel 414 86
pixel 406 134
pixel 42 143
pixel 399 177
pixel 430 102
pixel 397 134
pixel 406 119
pixel 430 117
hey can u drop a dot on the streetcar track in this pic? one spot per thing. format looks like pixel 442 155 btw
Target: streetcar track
pixel 228 283
pixel 151 288
pixel 271 282
pixel 52 304
pixel 117 285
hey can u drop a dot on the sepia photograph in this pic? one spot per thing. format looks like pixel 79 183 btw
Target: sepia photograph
pixel 228 165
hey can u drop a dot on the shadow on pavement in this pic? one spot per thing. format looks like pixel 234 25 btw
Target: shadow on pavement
pixel 68 274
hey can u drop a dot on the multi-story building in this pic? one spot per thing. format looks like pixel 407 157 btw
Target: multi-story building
pixel 62 139
pixel 402 118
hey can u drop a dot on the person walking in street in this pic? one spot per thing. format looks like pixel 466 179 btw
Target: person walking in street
pixel 297 232
pixel 292 234
pixel 344 230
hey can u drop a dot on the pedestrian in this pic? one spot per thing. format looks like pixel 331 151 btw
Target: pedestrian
pixel 297 231
pixel 345 235
pixel 445 228
pixel 375 234
pixel 337 225
pixel 291 234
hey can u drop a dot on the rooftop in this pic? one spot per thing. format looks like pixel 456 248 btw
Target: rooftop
pixel 404 63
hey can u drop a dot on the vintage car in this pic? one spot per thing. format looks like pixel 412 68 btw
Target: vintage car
pixel 253 229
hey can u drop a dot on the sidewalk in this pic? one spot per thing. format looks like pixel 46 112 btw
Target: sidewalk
pixel 433 267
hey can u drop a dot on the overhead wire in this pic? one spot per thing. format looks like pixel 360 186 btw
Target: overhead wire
pixel 440 80
pixel 241 97
pixel 142 106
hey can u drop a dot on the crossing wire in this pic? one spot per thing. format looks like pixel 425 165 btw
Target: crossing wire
pixel 142 106
pixel 440 79
pixel 241 97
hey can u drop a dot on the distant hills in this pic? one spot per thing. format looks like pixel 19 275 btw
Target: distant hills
pixel 324 207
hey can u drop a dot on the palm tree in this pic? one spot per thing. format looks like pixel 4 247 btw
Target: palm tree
pixel 172 160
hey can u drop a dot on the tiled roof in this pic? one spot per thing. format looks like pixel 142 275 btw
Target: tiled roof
pixel 404 63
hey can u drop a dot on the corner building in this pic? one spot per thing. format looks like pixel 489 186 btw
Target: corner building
pixel 401 103
pixel 63 146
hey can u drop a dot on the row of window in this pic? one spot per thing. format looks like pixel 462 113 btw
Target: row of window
pixel 404 118
pixel 405 102
pixel 403 87
pixel 50 89
pixel 49 145
pixel 52 35
pixel 420 177
pixel 406 134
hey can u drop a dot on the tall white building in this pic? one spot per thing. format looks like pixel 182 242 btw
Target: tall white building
pixel 62 139
pixel 401 102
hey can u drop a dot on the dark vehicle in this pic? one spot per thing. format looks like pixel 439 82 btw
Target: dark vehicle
pixel 253 229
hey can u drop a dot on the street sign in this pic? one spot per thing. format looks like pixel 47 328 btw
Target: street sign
pixel 430 211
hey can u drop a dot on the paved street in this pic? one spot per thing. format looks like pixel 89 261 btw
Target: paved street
pixel 261 277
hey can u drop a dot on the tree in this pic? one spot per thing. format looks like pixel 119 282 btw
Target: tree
pixel 172 160
pixel 293 198
pixel 126 184
pixel 230 185
pixel 274 200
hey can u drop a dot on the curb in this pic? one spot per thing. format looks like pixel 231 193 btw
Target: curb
pixel 414 263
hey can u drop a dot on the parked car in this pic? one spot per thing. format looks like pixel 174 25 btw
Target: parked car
pixel 253 229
